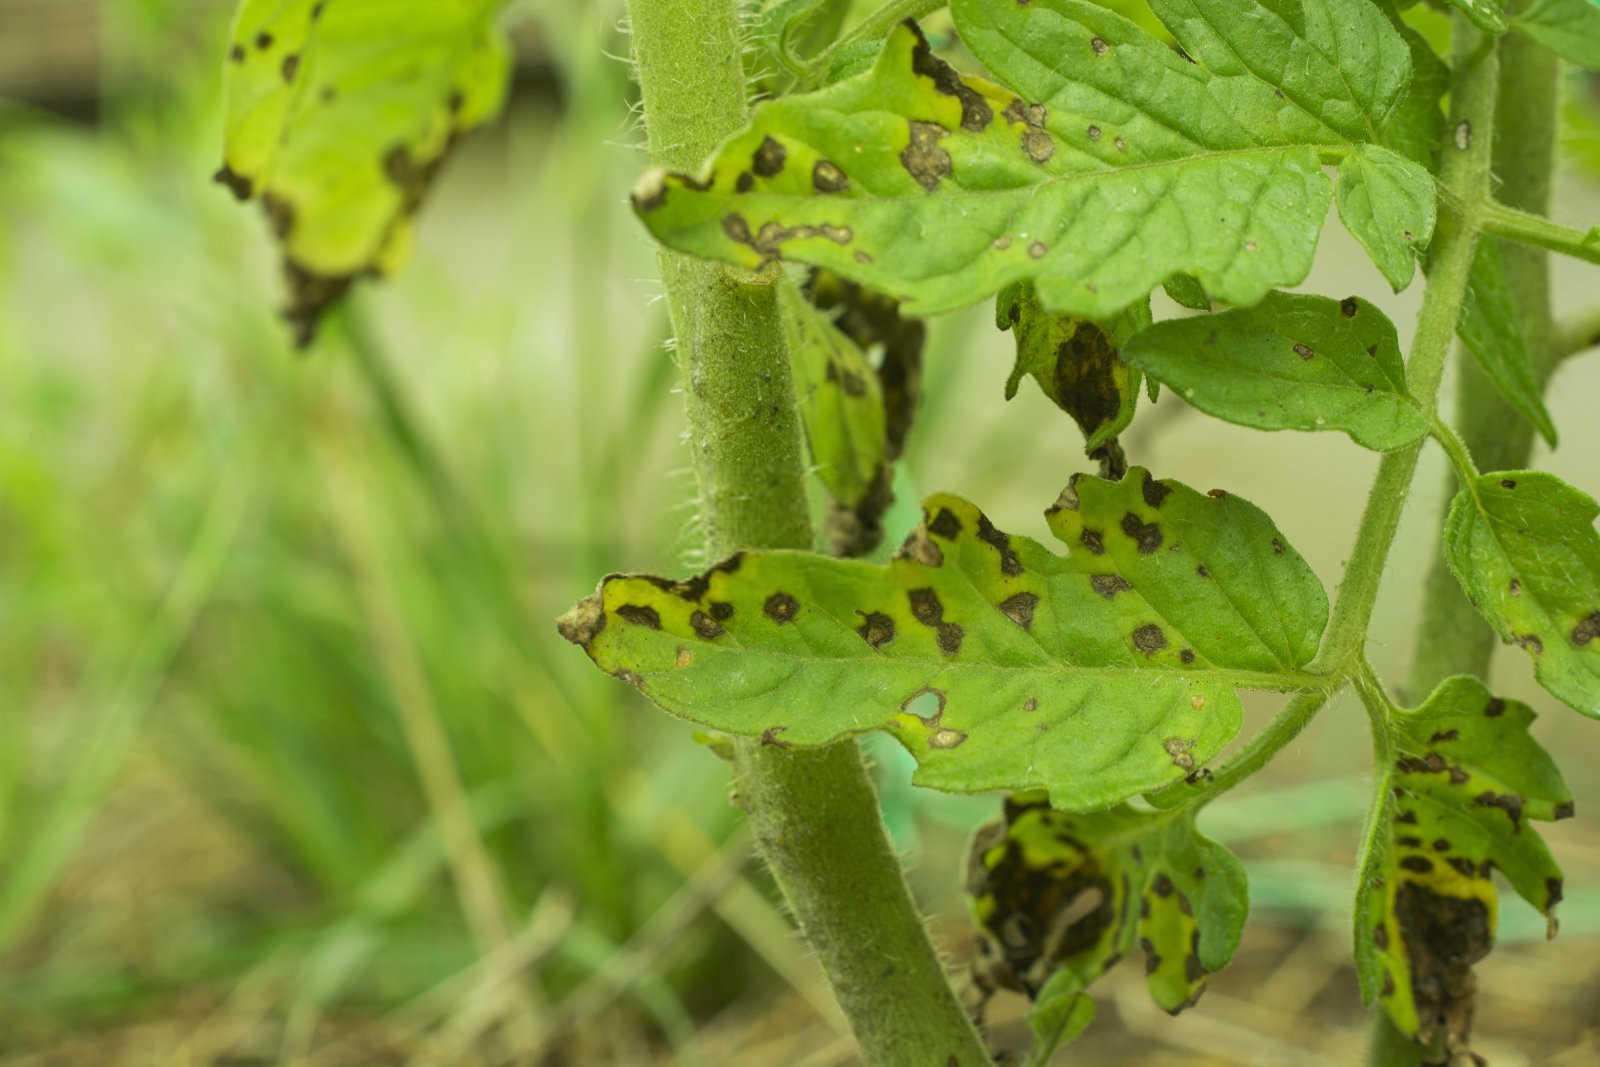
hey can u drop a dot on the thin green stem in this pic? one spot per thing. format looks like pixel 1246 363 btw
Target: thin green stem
pixel 1465 174
pixel 812 812
pixel 1503 220
pixel 1456 449
pixel 874 27
pixel 1284 728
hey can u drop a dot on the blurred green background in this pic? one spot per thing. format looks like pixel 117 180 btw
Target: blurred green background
pixel 293 766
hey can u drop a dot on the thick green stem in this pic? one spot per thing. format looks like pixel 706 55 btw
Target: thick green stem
pixel 1452 636
pixel 1464 174
pixel 1476 83
pixel 812 812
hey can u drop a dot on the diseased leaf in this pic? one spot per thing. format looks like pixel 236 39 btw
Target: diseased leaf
pixel 996 663
pixel 1490 330
pixel 1076 364
pixel 1524 547
pixel 841 407
pixel 1059 898
pixel 337 115
pixel 1488 15
pixel 1059 1016
pixel 1292 362
pixel 1569 28
pixel 873 321
pixel 1387 202
pixel 1466 780
pixel 1108 163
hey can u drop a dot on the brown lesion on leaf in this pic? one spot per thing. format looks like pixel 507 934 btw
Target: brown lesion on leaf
pixel 683 658
pixel 1588 629
pixel 1509 803
pixel 1564 810
pixel 744 182
pixel 584 622
pixel 1494 708
pixel 1108 585
pixel 768 241
pixel 240 186
pixel 1155 493
pixel 976 114
pixel 929 721
pixel 1146 535
pixel 236 53
pixel 1019 608
pixel 946 739
pixel 1532 643
pixel 1181 749
pixel 1149 639
pixel 945 524
pixel 1304 351
pixel 770 737
pixel 876 629
pixel 705 627
pixel 826 177
pixel 849 382
pixel 640 615
pixel 768 158
pixel 1443 735
pixel 291 64
pixel 263 40
pixel 1092 540
pixel 1349 306
pixel 989 534
pixel 920 548
pixel 923 157
pixel 781 607
pixel 1443 937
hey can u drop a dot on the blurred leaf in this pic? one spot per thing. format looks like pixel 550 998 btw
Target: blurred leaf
pixel 338 115
pixel 1075 361
pixel 1387 203
pixel 1059 898
pixel 793 31
pixel 1467 774
pixel 1569 28
pixel 1187 291
pixel 841 407
pixel 1524 547
pixel 1060 1013
pixel 1294 362
pixel 1491 332
pixel 1488 15
pixel 1134 165
pixel 996 663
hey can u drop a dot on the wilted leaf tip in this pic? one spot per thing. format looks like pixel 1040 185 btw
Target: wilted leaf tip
pixel 583 623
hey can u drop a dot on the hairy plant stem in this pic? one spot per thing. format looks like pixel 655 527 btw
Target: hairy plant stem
pixel 812 812
pixel 1451 637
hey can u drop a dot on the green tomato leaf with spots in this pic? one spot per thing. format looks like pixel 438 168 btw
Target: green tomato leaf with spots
pixel 1075 361
pixel 996 663
pixel 337 114
pixel 1524 547
pixel 1292 362
pixel 1387 203
pixel 1569 28
pixel 1103 162
pixel 1456 804
pixel 1059 898
pixel 841 407
pixel 1490 331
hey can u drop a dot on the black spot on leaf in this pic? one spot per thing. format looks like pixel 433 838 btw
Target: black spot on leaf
pixel 1019 608
pixel 1146 535
pixel 1419 864
pixel 1093 541
pixel 945 524
pixel 768 158
pixel 1348 307
pixel 743 183
pixel 781 608
pixel 1108 585
pixel 876 629
pixel 950 637
pixel 976 114
pixel 828 178
pixel 1495 708
pixel 926 607
pixel 1506 802
pixel 640 615
pixel 922 157
pixel 705 626
pixel 720 610
pixel 291 63
pixel 1149 639
pixel 1010 565
pixel 1587 630
pixel 1154 492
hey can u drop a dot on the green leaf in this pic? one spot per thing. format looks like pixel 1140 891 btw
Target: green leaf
pixel 1415 127
pixel 1292 362
pixel 1186 291
pixel 1338 64
pixel 1490 330
pixel 1059 1016
pixel 1569 28
pixel 1074 361
pixel 1387 202
pixel 337 115
pixel 1524 547
pixel 1108 163
pixel 1488 15
pixel 996 663
pixel 1059 898
pixel 841 407
pixel 1466 779
pixel 793 31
